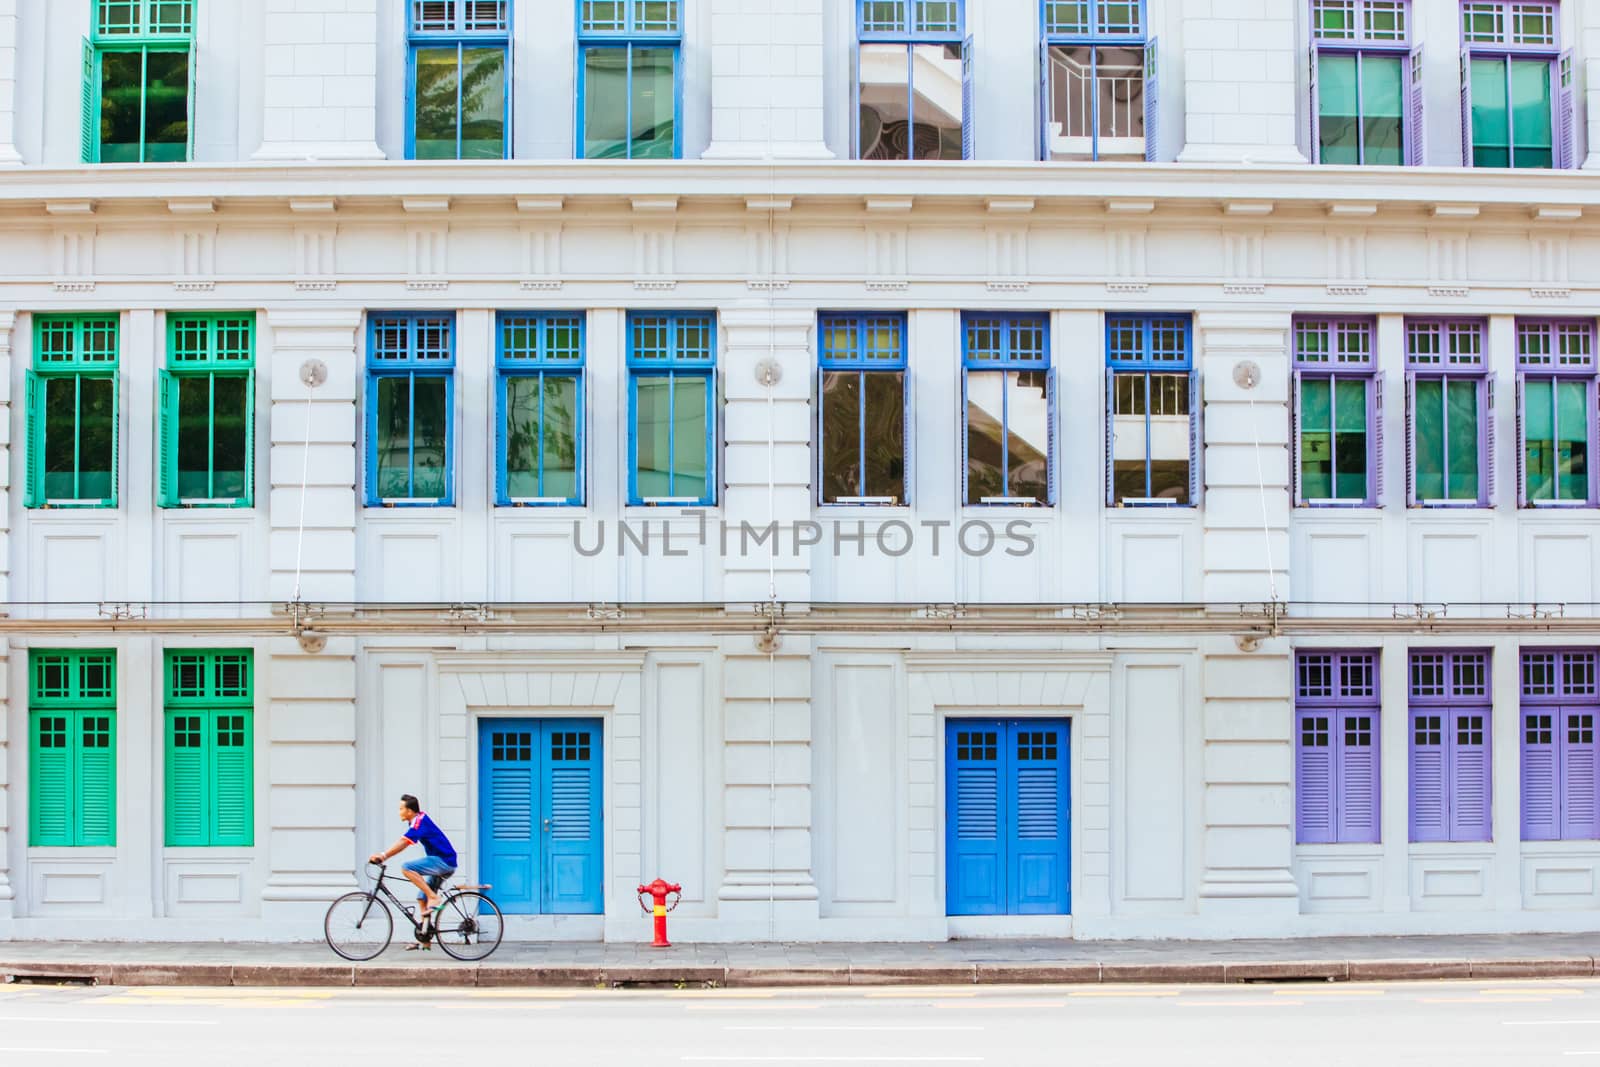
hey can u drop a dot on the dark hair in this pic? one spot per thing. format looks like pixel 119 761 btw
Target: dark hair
pixel 410 801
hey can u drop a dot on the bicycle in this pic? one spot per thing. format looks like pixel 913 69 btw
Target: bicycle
pixel 359 926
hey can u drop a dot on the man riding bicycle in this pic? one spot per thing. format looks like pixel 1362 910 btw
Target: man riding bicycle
pixel 439 857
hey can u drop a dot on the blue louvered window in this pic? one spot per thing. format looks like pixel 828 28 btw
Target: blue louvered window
pixel 1152 412
pixel 1100 81
pixel 410 408
pixel 1008 400
pixel 630 81
pixel 862 409
pixel 914 80
pixel 459 87
pixel 672 358
pixel 540 418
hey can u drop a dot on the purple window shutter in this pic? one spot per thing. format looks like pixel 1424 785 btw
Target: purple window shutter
pixel 1466 108
pixel 1358 779
pixel 1294 441
pixel 1561 71
pixel 1111 439
pixel 1411 440
pixel 1490 456
pixel 1522 449
pixel 1471 797
pixel 1579 780
pixel 1415 133
pixel 1152 103
pixel 1314 783
pixel 1429 815
pixel 1196 411
pixel 1540 812
pixel 1376 456
pixel 1316 119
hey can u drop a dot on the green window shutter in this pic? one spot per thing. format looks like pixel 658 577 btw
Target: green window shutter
pixel 248 499
pixel 33 490
pixel 186 778
pixel 116 438
pixel 167 444
pixel 90 117
pixel 189 115
pixel 232 779
pixel 97 777
pixel 50 779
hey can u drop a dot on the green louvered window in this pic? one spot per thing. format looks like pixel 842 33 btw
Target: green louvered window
pixel 72 390
pixel 207 453
pixel 210 757
pixel 72 747
pixel 138 82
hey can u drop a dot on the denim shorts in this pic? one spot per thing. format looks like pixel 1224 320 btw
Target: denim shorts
pixel 434 869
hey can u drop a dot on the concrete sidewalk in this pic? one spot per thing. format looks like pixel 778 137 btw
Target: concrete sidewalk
pixel 953 962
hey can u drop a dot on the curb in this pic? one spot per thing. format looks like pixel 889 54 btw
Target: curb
pixel 707 976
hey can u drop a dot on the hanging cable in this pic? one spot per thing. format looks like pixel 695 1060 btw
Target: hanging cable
pixel 313 372
pixel 1261 492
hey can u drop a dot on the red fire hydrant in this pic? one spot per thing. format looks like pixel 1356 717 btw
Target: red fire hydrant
pixel 659 890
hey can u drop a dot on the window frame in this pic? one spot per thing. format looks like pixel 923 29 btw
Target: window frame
pixel 673 366
pixel 209 706
pixel 410 366
pixel 1446 365
pixel 74 707
pixel 461 37
pixel 1096 37
pixel 77 366
pixel 909 37
pixel 1146 363
pixel 142 41
pixel 1451 702
pixel 540 365
pixel 856 360
pixel 210 364
pixel 1555 702
pixel 1582 370
pixel 1334 369
pixel 1342 701
pixel 1010 323
pixel 1562 81
pixel 627 38
pixel 1360 45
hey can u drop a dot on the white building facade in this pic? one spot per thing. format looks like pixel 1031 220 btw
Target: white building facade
pixel 902 470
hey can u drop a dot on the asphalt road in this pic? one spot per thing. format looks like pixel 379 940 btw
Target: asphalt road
pixel 1507 1024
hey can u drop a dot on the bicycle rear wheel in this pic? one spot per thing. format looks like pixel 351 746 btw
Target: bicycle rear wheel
pixel 469 926
pixel 358 926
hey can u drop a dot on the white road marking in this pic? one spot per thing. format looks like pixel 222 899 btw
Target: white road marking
pixel 868 1029
pixel 74 1019
pixel 58 1051
pixel 831 1059
pixel 1550 1022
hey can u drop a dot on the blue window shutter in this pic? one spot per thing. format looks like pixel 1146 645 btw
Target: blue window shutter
pixel 1111 437
pixel 89 117
pixel 33 488
pixel 1430 776
pixel 966 432
pixel 1471 796
pixel 1541 806
pixel 1038 837
pixel 1043 93
pixel 1052 474
pixel 1315 114
pixel 449 439
pixel 502 412
pixel 373 499
pixel 975 822
pixel 1416 148
pixel 1580 807
pixel 509 817
pixel 1152 103
pixel 1490 456
pixel 967 137
pixel 909 436
pixel 1196 441
pixel 572 880
pixel 1377 456
pixel 1466 108
pixel 1294 438
pixel 1565 144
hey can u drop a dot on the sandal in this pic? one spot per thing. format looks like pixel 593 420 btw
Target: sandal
pixel 418 945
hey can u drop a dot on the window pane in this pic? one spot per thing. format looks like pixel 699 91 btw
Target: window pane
pixel 985 418
pixel 522 437
pixel 1169 437
pixel 1572 423
pixel 1530 115
pixel 560 436
pixel 166 107
pixel 1070 123
pixel 428 446
pixel 1350 440
pixel 1463 418
pixel 394 438
pixel 194 437
pixel 1383 107
pixel 483 103
pixel 437 75
pixel 1027 434
pixel 1128 437
pixel 1316 439
pixel 884 98
pixel 1491 126
pixel 841 435
pixel 689 474
pixel 1119 86
pixel 121 105
pixel 651 432
pixel 1338 109
pixel 60 438
pixel 936 101
pixel 653 103
pixel 885 458
pixel 1538 430
pixel 231 410
pixel 1429 416
pixel 97 442
pixel 605 103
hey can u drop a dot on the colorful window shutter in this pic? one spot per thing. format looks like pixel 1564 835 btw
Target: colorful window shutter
pixel 1579 808
pixel 233 773
pixel 967 133
pixel 97 779
pixel 1470 768
pixel 210 748
pixel 1566 157
pixel 1541 811
pixel 1337 768
pixel 1430 812
pixel 1375 452
pixel 1358 775
pixel 72 762
pixel 1152 103
pixel 33 478
pixel 89 116
pixel 1450 741
pixel 185 782
pixel 1416 128
pixel 1466 107
pixel 1315 779
pixel 50 787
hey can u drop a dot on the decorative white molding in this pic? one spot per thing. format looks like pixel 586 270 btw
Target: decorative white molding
pixel 1346 290
pixel 888 285
pixel 427 285
pixel 767 285
pixel 541 285
pixel 659 285
pixel 1130 207
pixel 306 285
pixel 995 286
pixel 1450 291
pixel 1244 288
pixel 194 286
pixel 74 287
pixel 1130 288
pixel 1550 294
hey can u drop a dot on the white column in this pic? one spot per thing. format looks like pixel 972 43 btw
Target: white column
pixel 1240 82
pixel 8 84
pixel 767 81
pixel 320 82
pixel 1588 13
pixel 7 321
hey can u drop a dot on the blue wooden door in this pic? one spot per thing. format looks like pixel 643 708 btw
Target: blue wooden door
pixel 540 823
pixel 573 883
pixel 1007 831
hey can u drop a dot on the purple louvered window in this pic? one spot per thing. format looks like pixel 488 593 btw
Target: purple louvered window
pixel 1450 433
pixel 1560 761
pixel 1450 739
pixel 1555 413
pixel 1336 417
pixel 1517 87
pixel 1337 770
pixel 1366 93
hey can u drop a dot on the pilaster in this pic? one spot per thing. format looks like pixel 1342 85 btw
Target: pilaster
pixel 1588 14
pixel 7 321
pixel 1240 85
pixel 9 157
pixel 767 81
pixel 320 84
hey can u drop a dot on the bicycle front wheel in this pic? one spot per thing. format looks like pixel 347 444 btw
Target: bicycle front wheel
pixel 469 926
pixel 358 926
